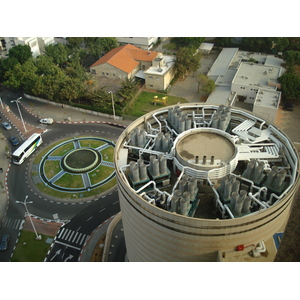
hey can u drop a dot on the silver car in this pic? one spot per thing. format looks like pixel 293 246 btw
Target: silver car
pixel 6 125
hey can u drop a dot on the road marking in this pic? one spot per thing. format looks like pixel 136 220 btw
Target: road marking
pixel 71 235
pixel 102 209
pixel 69 257
pixel 82 240
pixel 89 218
pixel 74 237
pixel 63 229
pixel 64 244
pixel 78 238
pixel 66 238
pixel 56 253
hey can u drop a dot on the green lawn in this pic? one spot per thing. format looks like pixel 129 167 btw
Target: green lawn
pixel 100 174
pixel 43 152
pixel 51 168
pixel 71 181
pixel 108 154
pixel 143 104
pixel 63 149
pixel 28 249
pixel 91 143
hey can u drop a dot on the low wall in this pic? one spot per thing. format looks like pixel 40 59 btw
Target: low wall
pixel 74 108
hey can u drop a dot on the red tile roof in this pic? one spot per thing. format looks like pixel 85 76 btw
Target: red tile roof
pixel 126 58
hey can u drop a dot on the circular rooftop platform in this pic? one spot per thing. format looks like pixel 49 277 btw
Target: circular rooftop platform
pixel 200 149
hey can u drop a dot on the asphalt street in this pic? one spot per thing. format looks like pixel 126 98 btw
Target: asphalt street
pixel 79 219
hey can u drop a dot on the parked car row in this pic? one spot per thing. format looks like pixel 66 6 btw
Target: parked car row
pixel 4 242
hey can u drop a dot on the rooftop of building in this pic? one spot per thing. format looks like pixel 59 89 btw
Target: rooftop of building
pixel 207 161
pixel 223 62
pixel 161 68
pixel 267 98
pixel 126 57
pixel 254 74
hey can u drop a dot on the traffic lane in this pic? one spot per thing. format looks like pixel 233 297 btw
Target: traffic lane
pixel 73 235
pixel 9 227
pixel 96 213
pixel 42 205
pixel 63 253
pixel 100 129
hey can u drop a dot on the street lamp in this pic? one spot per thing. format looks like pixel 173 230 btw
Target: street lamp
pixel 38 237
pixel 17 101
pixel 113 105
pixel 1 103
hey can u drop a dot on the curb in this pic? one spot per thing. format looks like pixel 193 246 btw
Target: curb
pixel 77 122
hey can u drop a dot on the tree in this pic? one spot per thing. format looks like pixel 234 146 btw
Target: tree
pixel 290 85
pixel 192 42
pixel 187 60
pixel 223 41
pixel 5 65
pixel 75 42
pixel 281 43
pixel 94 47
pixel 70 89
pixel 207 85
pixel 108 43
pixel 292 58
pixel 257 44
pixel 128 89
pixel 58 52
pixel 20 52
pixel 22 76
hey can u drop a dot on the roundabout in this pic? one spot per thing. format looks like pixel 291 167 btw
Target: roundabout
pixel 74 169
pixel 81 160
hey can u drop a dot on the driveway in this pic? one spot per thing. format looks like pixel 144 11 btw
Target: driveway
pixel 188 88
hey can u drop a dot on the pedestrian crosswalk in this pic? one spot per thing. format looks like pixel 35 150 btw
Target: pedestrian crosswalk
pixel 72 236
pixel 13 223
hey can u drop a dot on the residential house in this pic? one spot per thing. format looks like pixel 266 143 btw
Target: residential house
pixel 128 61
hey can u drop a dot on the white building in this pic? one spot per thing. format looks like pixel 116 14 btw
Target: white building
pixel 145 43
pixel 36 44
pixel 247 77
pixel 205 48
pixel 250 77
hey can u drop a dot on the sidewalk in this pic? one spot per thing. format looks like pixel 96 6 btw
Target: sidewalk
pixel 4 165
pixel 67 114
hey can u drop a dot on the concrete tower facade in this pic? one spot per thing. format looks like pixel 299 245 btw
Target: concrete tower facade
pixel 199 181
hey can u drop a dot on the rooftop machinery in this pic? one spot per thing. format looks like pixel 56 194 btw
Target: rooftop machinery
pixel 182 155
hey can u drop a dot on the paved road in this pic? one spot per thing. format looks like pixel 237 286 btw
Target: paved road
pixel 44 207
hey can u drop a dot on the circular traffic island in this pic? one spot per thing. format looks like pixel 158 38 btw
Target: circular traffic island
pixel 75 169
pixel 81 160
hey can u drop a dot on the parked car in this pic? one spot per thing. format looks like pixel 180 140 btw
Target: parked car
pixel 14 141
pixel 6 125
pixel 4 242
pixel 47 121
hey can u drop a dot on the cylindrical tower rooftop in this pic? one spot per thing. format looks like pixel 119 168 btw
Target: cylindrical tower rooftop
pixel 223 178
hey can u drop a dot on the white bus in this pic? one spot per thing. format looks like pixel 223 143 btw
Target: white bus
pixel 26 148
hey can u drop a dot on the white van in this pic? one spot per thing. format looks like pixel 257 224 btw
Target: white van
pixel 47 121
